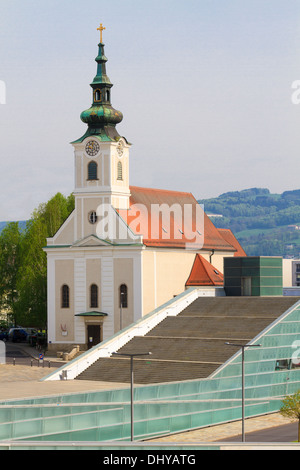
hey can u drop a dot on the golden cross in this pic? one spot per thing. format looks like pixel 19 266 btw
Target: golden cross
pixel 101 29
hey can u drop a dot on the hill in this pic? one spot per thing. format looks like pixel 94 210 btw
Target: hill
pixel 265 224
pixel 22 225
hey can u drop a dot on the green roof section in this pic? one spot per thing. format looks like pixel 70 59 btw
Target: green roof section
pixel 101 117
pixel 91 314
pixel 101 136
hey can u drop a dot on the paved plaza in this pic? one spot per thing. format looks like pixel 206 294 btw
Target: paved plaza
pixel 232 431
pixel 21 381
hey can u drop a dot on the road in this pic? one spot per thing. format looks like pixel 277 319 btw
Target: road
pixel 284 433
pixel 16 354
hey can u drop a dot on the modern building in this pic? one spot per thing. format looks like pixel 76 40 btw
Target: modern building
pixel 291 277
pixel 291 272
pixel 253 276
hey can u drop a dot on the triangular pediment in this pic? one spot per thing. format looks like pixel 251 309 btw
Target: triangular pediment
pixel 91 240
pixel 112 228
pixel 94 241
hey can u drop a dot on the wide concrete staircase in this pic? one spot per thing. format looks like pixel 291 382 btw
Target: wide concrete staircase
pixel 192 344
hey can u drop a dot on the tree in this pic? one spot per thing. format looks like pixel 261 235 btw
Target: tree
pixel 23 263
pixel 10 264
pixel 291 409
pixel 32 279
pixel 31 307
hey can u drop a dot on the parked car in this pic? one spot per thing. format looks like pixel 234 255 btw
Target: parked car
pixel 16 335
pixel 30 332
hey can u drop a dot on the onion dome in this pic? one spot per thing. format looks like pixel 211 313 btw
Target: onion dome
pixel 101 117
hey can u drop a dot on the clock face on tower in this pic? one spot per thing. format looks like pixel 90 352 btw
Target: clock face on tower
pixel 92 148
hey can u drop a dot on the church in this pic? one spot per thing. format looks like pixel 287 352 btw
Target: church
pixel 125 250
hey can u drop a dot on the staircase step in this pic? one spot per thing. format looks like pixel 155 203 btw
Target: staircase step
pixel 192 345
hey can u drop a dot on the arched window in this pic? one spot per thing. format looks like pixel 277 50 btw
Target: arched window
pixel 65 296
pixel 107 95
pixel 97 95
pixel 94 296
pixel 120 171
pixel 92 171
pixel 123 296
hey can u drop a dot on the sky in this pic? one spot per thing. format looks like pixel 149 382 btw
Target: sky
pixel 205 87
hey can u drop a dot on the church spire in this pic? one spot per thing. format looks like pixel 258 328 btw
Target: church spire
pixel 101 117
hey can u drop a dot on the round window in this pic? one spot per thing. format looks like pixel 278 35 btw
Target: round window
pixel 92 217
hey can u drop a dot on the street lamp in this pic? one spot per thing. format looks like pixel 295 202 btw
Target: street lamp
pixel 132 356
pixel 243 346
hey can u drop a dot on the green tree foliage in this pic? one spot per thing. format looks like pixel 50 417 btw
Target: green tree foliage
pixel 10 265
pixel 24 263
pixel 291 409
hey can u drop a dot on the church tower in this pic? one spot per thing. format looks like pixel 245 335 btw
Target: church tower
pixel 101 154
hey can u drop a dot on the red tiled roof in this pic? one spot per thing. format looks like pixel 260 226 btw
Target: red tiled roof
pixel 230 238
pixel 160 232
pixel 204 274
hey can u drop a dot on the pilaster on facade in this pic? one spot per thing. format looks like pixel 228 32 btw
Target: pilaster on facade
pixel 79 298
pixel 107 289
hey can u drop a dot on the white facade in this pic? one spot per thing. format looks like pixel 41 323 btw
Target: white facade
pixel 64 327
pixel 291 272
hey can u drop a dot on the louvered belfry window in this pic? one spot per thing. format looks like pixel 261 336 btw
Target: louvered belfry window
pixel 120 171
pixel 92 171
pixel 97 95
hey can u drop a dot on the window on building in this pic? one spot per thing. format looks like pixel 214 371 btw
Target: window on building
pixel 120 171
pixel 97 95
pixel 123 296
pixel 283 364
pixel 287 364
pixel 92 217
pixel 107 95
pixel 94 296
pixel 297 268
pixel 65 296
pixel 92 171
